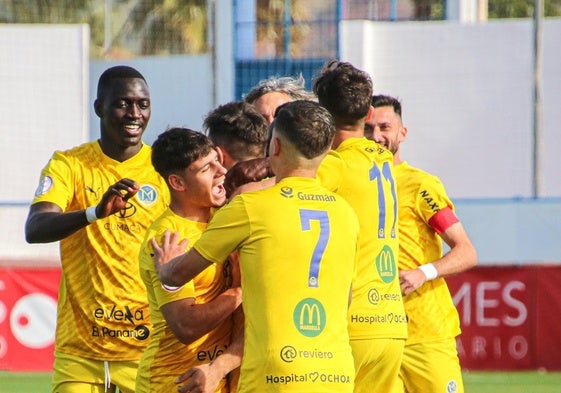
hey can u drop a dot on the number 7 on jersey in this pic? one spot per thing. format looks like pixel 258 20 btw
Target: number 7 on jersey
pixel 306 217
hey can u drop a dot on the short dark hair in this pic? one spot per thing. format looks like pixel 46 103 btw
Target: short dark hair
pixel 307 125
pixel 382 100
pixel 117 72
pixel 344 91
pixel 239 128
pixel 177 148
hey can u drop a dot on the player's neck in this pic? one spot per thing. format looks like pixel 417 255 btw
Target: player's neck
pixel 119 153
pixel 343 134
pixel 295 172
pixel 397 159
pixel 189 211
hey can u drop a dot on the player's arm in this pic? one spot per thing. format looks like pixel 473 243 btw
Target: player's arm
pixel 46 222
pixel 205 378
pixel 462 255
pixel 175 270
pixel 189 321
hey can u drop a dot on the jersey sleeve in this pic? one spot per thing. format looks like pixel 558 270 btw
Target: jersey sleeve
pixel 162 295
pixel 433 199
pixel 227 229
pixel 331 170
pixel 56 183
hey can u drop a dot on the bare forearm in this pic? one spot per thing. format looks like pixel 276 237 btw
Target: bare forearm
pixel 181 269
pixel 205 378
pixel 460 258
pixel 46 227
pixel 202 318
pixel 232 356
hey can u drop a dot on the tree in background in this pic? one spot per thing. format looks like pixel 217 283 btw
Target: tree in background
pixel 428 9
pixel 276 24
pixel 498 9
pixel 163 27
pixel 137 28
pixel 521 8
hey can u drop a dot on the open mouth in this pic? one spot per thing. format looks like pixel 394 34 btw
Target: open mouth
pixel 218 191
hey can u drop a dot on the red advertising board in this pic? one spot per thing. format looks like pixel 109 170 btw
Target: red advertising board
pixel 27 318
pixel 509 317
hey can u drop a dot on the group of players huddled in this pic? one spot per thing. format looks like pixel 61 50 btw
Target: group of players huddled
pixel 286 247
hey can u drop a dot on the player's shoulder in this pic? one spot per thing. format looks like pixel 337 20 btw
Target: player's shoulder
pixel 412 171
pixel 80 155
pixel 378 149
pixel 78 149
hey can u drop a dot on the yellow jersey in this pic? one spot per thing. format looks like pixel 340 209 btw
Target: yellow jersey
pixel 102 307
pixel 297 245
pixel 430 309
pixel 361 171
pixel 166 357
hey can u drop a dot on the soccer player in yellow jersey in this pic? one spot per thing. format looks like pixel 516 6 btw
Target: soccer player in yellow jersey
pixel 361 171
pixel 297 245
pixel 426 215
pixel 192 323
pixel 98 199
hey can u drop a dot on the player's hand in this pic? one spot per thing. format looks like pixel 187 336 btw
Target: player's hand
pixel 116 197
pixel 171 247
pixel 200 379
pixel 411 280
pixel 248 171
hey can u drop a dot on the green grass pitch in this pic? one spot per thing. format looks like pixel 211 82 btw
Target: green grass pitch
pixel 474 382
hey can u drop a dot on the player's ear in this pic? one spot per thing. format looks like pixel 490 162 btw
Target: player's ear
pixel 97 107
pixel 176 182
pixel 402 134
pixel 276 145
pixel 370 113
pixel 220 153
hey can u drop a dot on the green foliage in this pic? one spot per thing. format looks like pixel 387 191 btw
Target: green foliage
pixel 145 27
pixel 429 9
pixel 521 8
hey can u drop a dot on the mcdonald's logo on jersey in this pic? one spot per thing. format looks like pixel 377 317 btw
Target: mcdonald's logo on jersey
pixel 147 195
pixel 309 317
pixel 386 264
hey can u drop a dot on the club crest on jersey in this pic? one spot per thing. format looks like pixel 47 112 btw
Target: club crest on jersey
pixel 452 387
pixel 287 192
pixel 45 184
pixel 147 195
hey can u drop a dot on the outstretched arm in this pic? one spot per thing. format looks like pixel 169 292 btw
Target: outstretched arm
pixel 47 223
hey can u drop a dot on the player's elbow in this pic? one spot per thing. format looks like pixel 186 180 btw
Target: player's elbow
pixel 32 235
